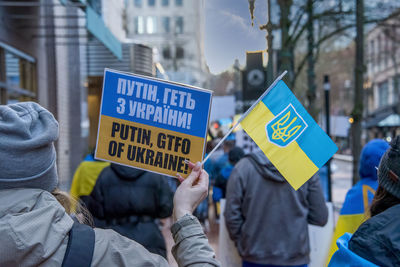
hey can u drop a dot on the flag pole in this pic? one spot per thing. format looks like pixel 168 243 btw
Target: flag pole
pixel 244 115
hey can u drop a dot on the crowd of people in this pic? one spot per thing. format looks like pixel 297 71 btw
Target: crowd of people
pixel 116 220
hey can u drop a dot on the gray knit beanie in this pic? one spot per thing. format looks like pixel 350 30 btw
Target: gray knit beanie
pixel 389 169
pixel 27 154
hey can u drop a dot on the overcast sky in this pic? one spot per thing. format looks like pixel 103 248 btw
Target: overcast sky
pixel 229 34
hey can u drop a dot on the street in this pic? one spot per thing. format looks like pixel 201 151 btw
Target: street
pixel 341 183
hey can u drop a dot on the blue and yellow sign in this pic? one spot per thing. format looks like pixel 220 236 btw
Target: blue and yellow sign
pixel 151 124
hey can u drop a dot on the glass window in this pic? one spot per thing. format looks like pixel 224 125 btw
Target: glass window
pixel 387 51
pixel 151 24
pixel 166 24
pixel 180 53
pixel 138 3
pixel 396 88
pixel 372 52
pixel 165 2
pixel 12 70
pixel 383 91
pixel 139 24
pixel 166 52
pixel 17 78
pixel 179 2
pixel 179 25
pixel 151 2
pixel 379 52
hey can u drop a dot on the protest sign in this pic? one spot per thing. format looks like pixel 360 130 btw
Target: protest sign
pixel 151 124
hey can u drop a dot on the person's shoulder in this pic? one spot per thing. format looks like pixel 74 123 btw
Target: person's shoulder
pixel 244 164
pixel 113 249
pixel 105 173
pixel 379 233
pixel 391 216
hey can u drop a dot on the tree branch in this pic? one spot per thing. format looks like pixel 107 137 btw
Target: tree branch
pixel 300 67
pixel 328 13
pixel 297 23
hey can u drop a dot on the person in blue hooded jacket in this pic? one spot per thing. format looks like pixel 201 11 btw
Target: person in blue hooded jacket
pixel 377 241
pixel 355 208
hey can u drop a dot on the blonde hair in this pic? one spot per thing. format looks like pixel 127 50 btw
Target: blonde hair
pixel 73 207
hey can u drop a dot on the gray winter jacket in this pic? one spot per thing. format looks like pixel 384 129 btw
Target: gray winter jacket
pixel 266 218
pixel 34 232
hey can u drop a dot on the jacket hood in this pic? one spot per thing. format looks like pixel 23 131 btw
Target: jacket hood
pixel 378 239
pixel 266 169
pixel 127 173
pixel 33 227
pixel 370 157
pixel 344 257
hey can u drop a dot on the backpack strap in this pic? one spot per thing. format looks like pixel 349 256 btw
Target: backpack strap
pixel 80 246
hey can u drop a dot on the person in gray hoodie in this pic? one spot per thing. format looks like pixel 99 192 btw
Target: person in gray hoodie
pixel 266 218
pixel 35 228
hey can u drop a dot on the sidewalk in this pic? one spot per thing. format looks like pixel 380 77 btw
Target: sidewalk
pixel 341 183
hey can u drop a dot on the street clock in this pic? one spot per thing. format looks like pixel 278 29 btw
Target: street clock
pixel 255 77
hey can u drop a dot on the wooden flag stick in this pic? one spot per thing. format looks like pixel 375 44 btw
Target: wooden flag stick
pixel 244 116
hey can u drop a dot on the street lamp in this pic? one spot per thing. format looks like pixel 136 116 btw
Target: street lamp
pixel 327 88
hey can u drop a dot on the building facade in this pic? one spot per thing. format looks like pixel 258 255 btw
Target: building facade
pixel 175 29
pixel 382 85
pixel 43 58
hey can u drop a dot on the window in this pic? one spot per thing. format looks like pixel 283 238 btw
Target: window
pixel 379 52
pixel 151 24
pixel 165 2
pixel 372 52
pixel 396 88
pixel 179 25
pixel 139 24
pixel 180 53
pixel 387 51
pixel 138 3
pixel 166 53
pixel 151 2
pixel 179 2
pixel 383 92
pixel 12 70
pixel 166 24
pixel 17 76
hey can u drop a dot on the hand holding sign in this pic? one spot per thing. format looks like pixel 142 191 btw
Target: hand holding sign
pixel 191 191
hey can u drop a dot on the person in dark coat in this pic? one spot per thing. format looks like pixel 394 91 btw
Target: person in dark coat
pixel 130 201
pixel 377 241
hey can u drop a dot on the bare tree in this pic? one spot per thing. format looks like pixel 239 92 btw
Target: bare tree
pixel 323 22
pixel 358 89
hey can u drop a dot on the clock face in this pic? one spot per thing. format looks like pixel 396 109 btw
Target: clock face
pixel 255 77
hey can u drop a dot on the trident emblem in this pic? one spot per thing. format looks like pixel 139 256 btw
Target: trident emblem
pixel 286 127
pixel 282 129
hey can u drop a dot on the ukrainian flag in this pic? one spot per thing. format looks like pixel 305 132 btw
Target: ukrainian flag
pixel 288 135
